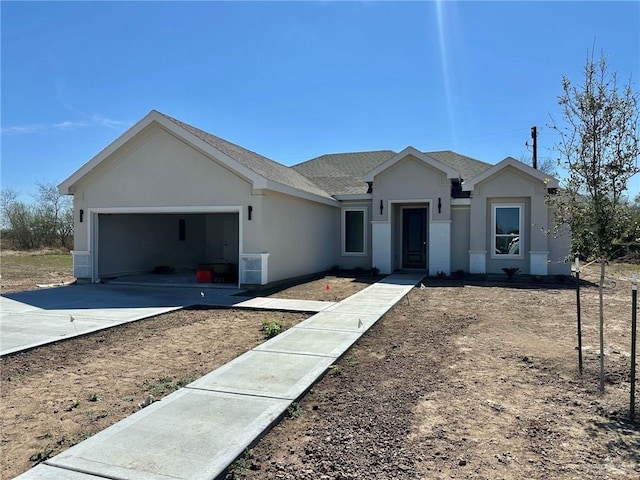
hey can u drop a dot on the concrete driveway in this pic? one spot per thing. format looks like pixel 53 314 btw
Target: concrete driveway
pixel 29 319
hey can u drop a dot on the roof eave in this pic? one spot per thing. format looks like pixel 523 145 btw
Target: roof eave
pixel 295 192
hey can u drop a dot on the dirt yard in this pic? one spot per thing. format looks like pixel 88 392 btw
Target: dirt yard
pixel 460 380
pixel 55 396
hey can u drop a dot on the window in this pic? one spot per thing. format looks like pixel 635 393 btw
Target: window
pixel 182 229
pixel 353 228
pixel 507 227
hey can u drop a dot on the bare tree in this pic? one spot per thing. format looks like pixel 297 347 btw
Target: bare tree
pixel 18 220
pixel 599 146
pixel 54 215
pixel 546 165
pixel 48 221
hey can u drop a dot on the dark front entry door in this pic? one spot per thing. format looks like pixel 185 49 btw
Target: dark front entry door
pixel 414 238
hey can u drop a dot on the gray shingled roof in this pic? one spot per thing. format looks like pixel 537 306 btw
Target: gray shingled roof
pixel 327 175
pixel 263 166
pixel 466 167
pixel 343 173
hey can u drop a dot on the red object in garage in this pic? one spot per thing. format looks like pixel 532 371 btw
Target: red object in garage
pixel 203 276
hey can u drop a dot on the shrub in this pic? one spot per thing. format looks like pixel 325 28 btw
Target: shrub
pixel 271 328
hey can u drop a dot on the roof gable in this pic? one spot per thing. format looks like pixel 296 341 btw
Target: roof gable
pixel 410 151
pixel 261 171
pixel 470 184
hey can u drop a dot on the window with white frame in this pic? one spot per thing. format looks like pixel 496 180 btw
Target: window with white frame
pixel 507 231
pixel 353 231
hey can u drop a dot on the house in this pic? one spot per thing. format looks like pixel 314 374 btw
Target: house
pixel 168 194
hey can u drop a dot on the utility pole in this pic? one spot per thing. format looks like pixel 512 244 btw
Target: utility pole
pixel 534 135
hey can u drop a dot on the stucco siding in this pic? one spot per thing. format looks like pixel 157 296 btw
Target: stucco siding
pixel 156 169
pixel 460 230
pixel 511 187
pixel 412 179
pixel 301 236
pixel 559 248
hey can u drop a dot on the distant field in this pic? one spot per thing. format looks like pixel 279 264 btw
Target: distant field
pixel 25 271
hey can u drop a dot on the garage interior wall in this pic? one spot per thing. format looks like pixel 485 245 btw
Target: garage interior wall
pixel 137 243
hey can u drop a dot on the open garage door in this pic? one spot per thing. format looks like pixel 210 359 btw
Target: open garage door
pixel 129 244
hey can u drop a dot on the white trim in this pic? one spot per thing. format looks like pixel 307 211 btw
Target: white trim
pixel 343 231
pixel 353 196
pixel 521 232
pixel 93 225
pixel 538 262
pixel 460 201
pixel 381 246
pixel 550 182
pixel 426 158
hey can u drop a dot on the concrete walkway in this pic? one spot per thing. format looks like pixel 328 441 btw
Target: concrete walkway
pixel 197 431
pixel 38 317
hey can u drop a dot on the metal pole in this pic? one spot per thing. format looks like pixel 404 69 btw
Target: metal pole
pixel 534 136
pixel 579 317
pixel 634 303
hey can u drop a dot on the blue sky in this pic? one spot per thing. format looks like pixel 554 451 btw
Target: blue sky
pixel 294 80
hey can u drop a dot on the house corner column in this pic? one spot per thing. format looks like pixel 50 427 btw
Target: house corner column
pixel 538 262
pixel 254 268
pixel 478 261
pixel 440 246
pixel 381 246
pixel 82 264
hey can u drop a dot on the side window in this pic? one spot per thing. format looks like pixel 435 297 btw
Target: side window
pixel 507 229
pixel 353 232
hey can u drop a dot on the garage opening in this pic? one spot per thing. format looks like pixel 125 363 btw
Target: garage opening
pixel 168 248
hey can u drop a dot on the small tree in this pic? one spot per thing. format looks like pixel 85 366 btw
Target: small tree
pixel 599 146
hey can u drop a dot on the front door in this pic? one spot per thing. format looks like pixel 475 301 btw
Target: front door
pixel 414 238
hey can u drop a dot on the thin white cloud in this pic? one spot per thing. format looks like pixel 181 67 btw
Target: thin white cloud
pixel 107 122
pixel 67 125
pixel 95 121
pixel 21 129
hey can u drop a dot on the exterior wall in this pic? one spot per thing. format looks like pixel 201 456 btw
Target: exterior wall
pixel 411 183
pixel 301 236
pixel 157 172
pixel 511 186
pixel 496 264
pixel 559 249
pixel 408 180
pixel 460 234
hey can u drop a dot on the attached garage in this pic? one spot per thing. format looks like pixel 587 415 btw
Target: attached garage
pixel 167 197
pixel 133 243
